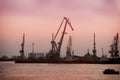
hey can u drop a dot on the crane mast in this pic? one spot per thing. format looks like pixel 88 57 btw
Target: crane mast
pixel 22 47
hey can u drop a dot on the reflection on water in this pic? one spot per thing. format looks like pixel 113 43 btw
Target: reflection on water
pixel 12 71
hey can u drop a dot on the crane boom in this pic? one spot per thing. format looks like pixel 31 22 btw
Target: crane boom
pixel 67 20
pixel 58 29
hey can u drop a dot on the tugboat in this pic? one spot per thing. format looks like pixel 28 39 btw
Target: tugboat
pixel 110 71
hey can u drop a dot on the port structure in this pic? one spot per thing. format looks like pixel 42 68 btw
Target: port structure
pixel 54 53
pixel 33 47
pixel 22 48
pixel 114 47
pixel 69 47
pixel 94 47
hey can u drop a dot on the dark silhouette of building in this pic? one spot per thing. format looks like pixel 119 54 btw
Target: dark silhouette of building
pixel 114 47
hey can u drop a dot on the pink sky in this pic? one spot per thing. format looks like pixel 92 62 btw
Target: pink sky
pixel 38 19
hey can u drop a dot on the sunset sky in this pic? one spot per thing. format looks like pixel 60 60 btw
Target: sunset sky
pixel 38 19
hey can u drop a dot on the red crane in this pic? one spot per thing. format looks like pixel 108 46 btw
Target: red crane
pixel 54 53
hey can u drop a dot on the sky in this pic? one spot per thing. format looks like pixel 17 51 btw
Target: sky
pixel 38 19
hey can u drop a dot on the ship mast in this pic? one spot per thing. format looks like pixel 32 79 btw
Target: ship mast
pixel 33 47
pixel 22 47
pixel 102 51
pixel 94 47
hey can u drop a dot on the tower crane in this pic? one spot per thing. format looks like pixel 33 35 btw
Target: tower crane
pixel 54 53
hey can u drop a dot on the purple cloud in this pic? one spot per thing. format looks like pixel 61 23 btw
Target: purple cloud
pixel 22 7
pixel 108 7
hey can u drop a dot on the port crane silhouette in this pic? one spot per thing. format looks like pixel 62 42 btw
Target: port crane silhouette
pixel 114 47
pixel 22 47
pixel 54 53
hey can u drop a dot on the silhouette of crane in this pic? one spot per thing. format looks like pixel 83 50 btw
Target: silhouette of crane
pixel 114 47
pixel 54 53
pixel 22 47
pixel 69 47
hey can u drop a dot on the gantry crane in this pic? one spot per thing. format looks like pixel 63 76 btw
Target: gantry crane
pixel 54 53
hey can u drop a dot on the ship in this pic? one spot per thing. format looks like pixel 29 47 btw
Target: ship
pixel 110 71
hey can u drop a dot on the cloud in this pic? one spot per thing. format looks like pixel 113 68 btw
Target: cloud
pixel 108 7
pixel 23 6
pixel 53 7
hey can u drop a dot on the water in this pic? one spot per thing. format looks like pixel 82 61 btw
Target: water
pixel 12 71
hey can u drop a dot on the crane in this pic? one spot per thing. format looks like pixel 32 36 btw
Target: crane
pixel 54 53
pixel 114 47
pixel 94 47
pixel 22 47
pixel 69 47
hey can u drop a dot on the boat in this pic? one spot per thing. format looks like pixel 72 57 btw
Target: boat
pixel 110 71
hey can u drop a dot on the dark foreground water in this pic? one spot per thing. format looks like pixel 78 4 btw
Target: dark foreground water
pixel 12 71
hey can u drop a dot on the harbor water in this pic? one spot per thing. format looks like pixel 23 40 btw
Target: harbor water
pixel 12 71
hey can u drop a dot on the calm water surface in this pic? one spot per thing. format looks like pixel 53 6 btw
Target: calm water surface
pixel 12 71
